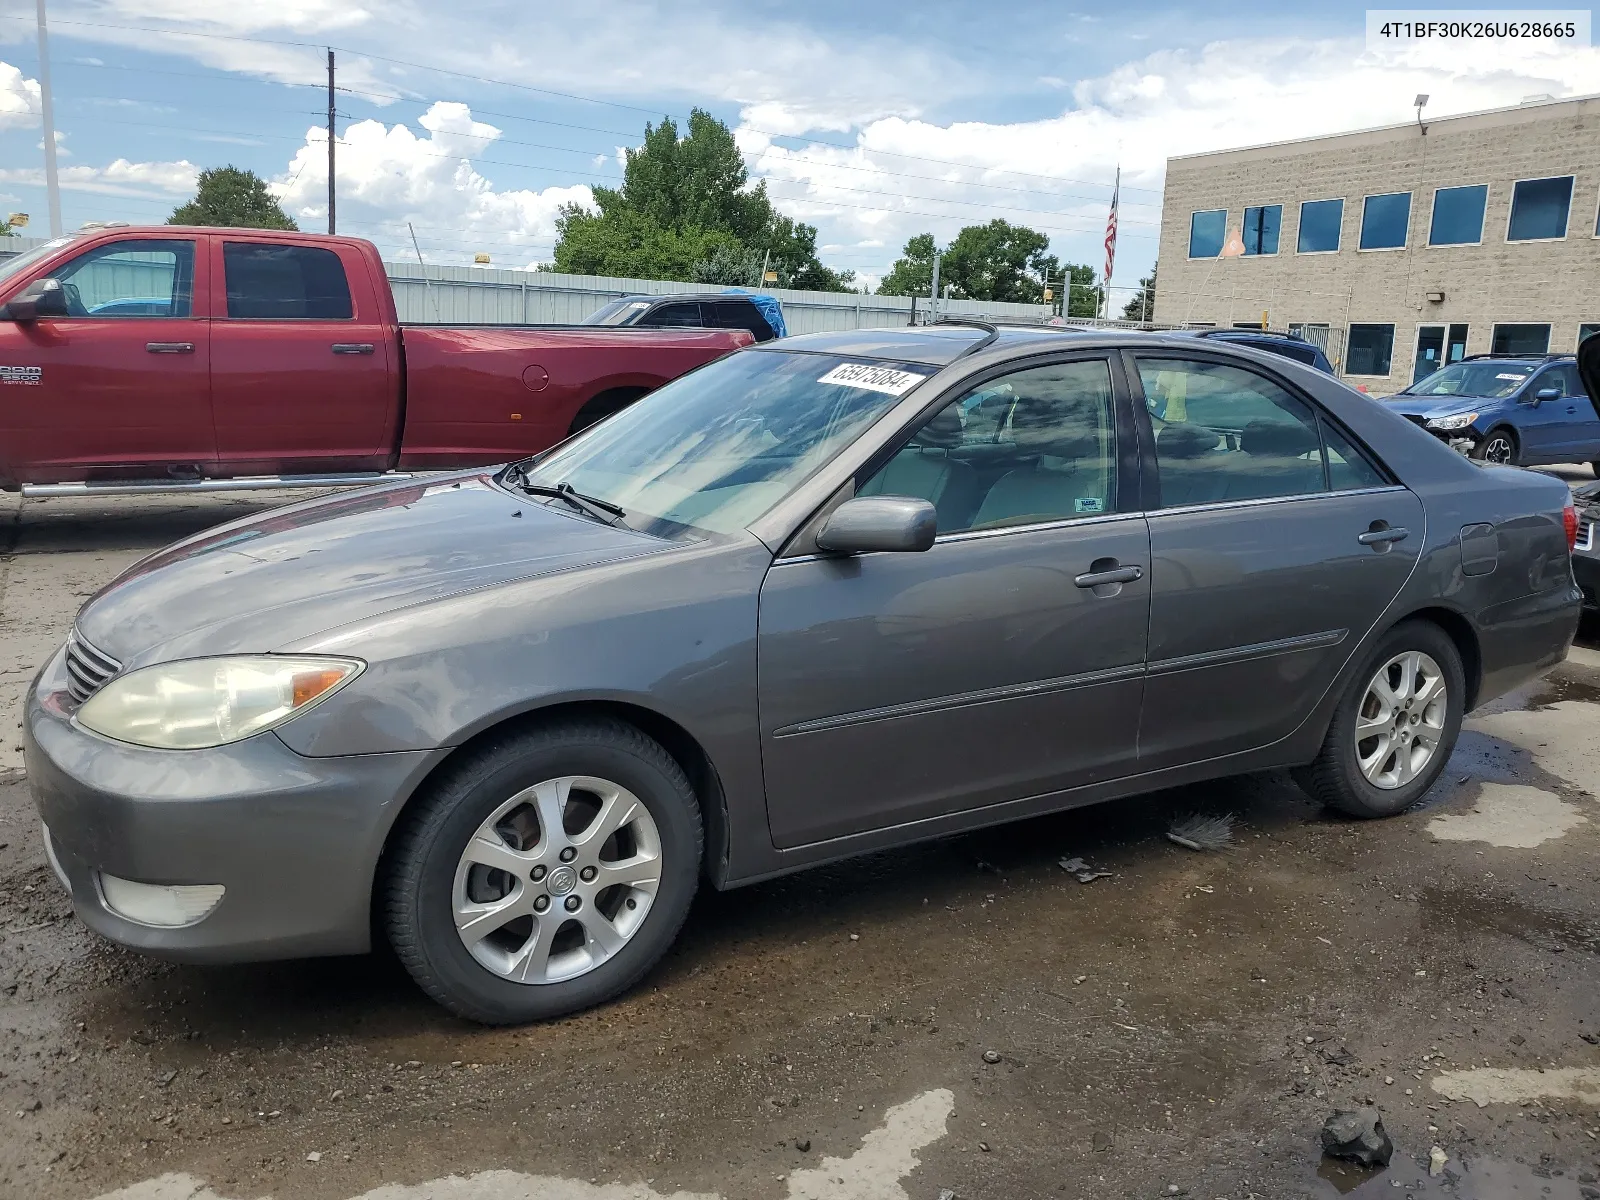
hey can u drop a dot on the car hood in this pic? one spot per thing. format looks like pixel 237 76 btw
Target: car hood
pixel 1435 406
pixel 266 582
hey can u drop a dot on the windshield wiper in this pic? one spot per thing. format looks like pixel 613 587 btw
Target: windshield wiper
pixel 590 506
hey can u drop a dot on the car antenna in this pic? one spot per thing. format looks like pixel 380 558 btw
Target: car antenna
pixel 993 332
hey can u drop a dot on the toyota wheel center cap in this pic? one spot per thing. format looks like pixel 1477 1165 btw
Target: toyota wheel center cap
pixel 562 880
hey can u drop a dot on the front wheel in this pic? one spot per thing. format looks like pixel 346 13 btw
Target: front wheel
pixel 1499 447
pixel 545 873
pixel 1394 727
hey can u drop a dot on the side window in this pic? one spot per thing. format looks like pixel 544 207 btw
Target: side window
pixel 153 278
pixel 1033 446
pixel 683 315
pixel 1348 468
pixel 1223 434
pixel 303 283
pixel 1571 384
pixel 740 314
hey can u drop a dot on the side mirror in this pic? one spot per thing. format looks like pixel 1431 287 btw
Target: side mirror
pixel 873 523
pixel 41 298
pixel 1544 394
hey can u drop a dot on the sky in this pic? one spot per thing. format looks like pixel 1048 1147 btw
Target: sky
pixel 472 124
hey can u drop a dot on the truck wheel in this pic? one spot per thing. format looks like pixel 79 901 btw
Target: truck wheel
pixel 545 873
pixel 1500 446
pixel 1394 727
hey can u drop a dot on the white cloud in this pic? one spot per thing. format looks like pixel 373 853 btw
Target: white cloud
pixel 19 99
pixel 387 175
pixel 143 180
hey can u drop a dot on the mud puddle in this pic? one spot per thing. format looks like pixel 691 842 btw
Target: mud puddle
pixel 1467 1177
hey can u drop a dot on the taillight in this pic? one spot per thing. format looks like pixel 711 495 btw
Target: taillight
pixel 1569 521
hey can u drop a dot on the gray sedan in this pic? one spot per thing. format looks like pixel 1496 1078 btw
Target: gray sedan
pixel 820 597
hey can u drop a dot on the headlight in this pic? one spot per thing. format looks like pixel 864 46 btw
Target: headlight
pixel 1459 421
pixel 203 702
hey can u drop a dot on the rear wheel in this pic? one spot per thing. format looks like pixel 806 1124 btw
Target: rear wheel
pixel 602 406
pixel 1395 726
pixel 1500 446
pixel 546 873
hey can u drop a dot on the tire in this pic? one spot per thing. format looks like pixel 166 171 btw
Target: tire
pixel 436 877
pixel 1595 467
pixel 1389 784
pixel 604 405
pixel 1499 446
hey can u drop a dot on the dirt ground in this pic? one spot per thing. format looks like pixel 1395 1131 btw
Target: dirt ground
pixel 1182 1027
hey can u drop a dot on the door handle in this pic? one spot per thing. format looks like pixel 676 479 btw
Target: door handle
pixel 353 347
pixel 1382 537
pixel 1093 579
pixel 169 347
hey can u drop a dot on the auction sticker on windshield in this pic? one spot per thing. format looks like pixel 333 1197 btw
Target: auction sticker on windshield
pixel 875 379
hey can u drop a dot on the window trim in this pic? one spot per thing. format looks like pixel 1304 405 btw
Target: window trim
pixel 1579 340
pixel 1189 247
pixel 1299 219
pixel 1494 326
pixel 1511 209
pixel 1246 209
pixel 1483 221
pixel 1360 232
pixel 1150 475
pixel 1393 326
pixel 113 246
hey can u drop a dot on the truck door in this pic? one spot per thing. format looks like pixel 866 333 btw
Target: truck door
pixel 120 383
pixel 301 372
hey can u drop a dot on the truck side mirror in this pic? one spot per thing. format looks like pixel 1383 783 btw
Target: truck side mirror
pixel 41 298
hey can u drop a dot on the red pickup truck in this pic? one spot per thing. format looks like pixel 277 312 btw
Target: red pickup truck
pixel 172 359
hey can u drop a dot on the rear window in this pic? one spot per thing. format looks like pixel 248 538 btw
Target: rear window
pixel 740 314
pixel 267 281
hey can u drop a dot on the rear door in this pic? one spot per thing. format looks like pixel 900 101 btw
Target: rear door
pixel 1275 545
pixel 301 372
pixel 121 384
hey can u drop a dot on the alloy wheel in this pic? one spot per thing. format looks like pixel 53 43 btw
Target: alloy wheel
pixel 1498 449
pixel 557 880
pixel 1401 720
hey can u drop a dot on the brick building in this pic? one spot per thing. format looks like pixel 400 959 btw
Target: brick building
pixel 1397 248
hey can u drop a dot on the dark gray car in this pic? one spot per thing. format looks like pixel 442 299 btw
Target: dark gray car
pixel 843 592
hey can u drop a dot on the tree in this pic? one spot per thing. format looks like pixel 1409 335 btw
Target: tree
pixel 686 209
pixel 1083 294
pixel 997 261
pixel 731 266
pixel 231 196
pixel 1143 305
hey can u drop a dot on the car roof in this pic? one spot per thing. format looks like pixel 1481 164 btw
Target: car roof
pixel 933 345
pixel 691 296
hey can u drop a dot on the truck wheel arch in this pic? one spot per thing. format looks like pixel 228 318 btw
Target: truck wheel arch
pixel 602 404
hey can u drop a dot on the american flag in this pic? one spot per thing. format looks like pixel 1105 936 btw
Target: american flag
pixel 1111 236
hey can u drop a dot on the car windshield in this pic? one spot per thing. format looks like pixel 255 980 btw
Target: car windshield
pixel 618 312
pixel 716 448
pixel 11 267
pixel 1491 379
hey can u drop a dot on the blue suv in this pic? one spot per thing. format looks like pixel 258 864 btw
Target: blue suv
pixel 1519 410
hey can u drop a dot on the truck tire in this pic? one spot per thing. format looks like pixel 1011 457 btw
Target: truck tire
pixel 544 873
pixel 599 407
pixel 1394 727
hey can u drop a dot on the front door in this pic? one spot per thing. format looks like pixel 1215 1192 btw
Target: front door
pixel 1275 545
pixel 300 368
pixel 1430 351
pixel 1003 663
pixel 122 386
pixel 1579 428
pixel 1455 346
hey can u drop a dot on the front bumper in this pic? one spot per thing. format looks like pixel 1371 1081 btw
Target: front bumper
pixel 295 841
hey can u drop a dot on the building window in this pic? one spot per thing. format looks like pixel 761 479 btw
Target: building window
pixel 1539 209
pixel 1371 350
pixel 1206 231
pixel 1458 215
pixel 1521 339
pixel 1587 330
pixel 1261 225
pixel 1384 220
pixel 1319 226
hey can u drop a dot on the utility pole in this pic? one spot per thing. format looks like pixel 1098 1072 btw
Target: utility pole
pixel 47 115
pixel 933 297
pixel 331 139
